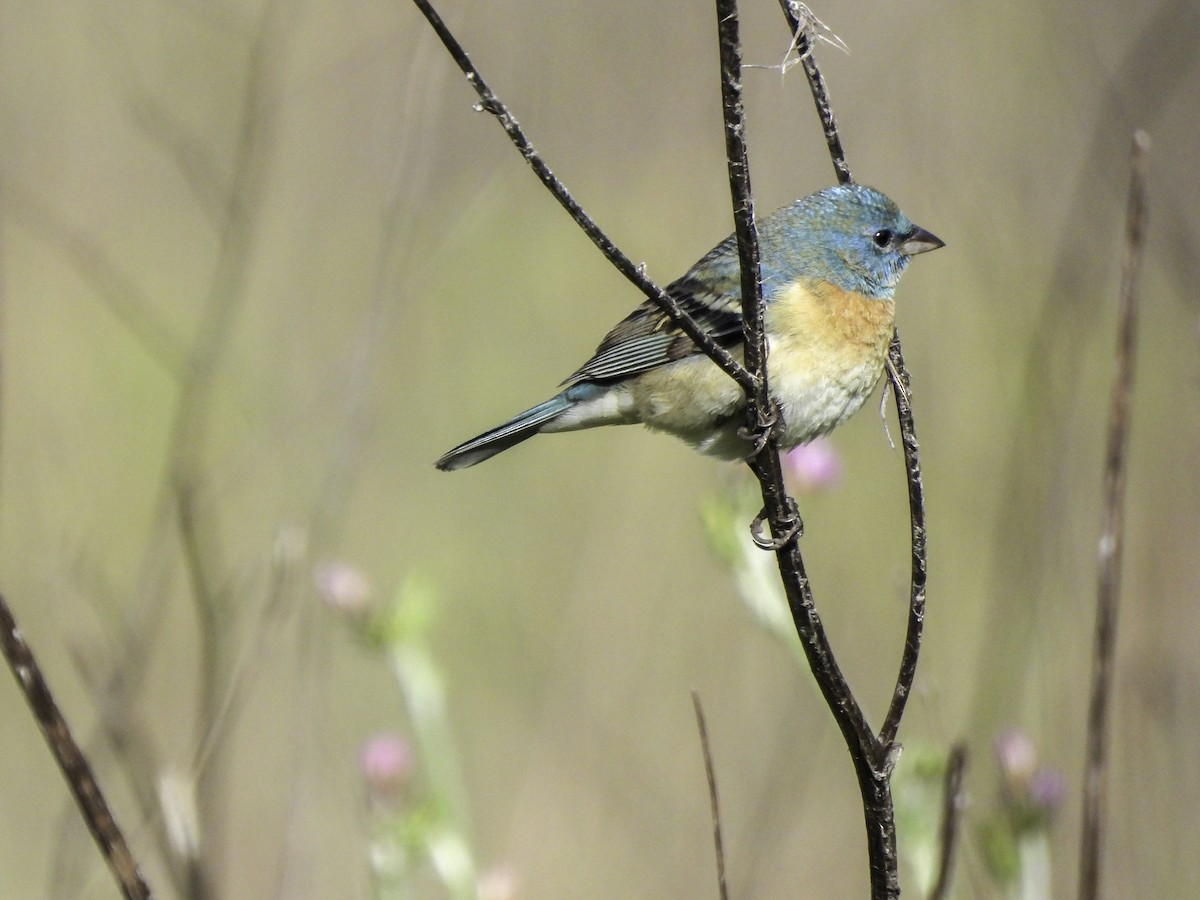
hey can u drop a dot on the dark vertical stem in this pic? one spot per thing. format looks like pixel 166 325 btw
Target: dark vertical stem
pixel 74 765
pixel 872 760
pixel 745 229
pixel 1112 537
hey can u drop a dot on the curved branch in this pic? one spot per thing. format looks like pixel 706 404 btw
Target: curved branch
pixel 916 511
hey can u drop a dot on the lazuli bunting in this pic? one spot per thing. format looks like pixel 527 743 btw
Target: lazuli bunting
pixel 830 264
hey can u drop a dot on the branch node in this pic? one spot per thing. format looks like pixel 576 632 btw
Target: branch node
pixel 488 105
pixel 891 756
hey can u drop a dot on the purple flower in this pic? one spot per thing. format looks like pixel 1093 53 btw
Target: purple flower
pixel 1047 789
pixel 1030 793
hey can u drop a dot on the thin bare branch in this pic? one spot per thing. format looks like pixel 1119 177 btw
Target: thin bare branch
pixel 74 765
pixel 916 512
pixel 1112 536
pixel 802 23
pixel 90 260
pixel 744 227
pixel 714 803
pixel 192 156
pixel 490 103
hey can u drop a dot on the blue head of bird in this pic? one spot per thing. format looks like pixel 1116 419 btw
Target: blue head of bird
pixel 850 235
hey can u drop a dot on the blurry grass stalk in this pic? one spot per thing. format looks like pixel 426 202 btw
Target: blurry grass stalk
pixel 916 788
pixel 809 469
pixel 1016 833
pixel 1019 860
pixel 755 574
pixel 1033 850
pixel 436 827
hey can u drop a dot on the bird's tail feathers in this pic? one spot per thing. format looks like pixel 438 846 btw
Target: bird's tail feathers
pixel 520 427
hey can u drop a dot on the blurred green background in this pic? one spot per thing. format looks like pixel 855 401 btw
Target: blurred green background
pixel 261 264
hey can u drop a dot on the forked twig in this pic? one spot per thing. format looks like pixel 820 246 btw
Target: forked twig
pixel 873 757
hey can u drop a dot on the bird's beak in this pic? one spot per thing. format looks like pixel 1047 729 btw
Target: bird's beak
pixel 919 241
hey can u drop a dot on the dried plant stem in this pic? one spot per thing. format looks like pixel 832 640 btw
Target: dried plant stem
pixel 713 801
pixel 1112 537
pixel 74 765
pixel 953 800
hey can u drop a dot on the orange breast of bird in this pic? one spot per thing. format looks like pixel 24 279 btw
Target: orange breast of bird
pixel 827 350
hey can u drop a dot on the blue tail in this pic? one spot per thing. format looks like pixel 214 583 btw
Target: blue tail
pixel 520 427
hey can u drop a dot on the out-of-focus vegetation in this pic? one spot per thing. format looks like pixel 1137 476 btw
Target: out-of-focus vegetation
pixel 261 264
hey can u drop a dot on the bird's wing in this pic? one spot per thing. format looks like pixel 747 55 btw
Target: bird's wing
pixel 647 338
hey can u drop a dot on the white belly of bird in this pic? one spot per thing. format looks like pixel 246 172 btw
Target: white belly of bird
pixel 812 406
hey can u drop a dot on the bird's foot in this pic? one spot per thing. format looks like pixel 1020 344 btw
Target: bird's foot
pixel 768 423
pixel 793 527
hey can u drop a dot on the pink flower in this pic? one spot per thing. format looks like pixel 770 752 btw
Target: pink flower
pixel 497 883
pixel 387 763
pixel 813 467
pixel 343 587
pixel 1018 759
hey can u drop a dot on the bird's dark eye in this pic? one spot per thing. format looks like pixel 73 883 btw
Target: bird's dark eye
pixel 882 237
